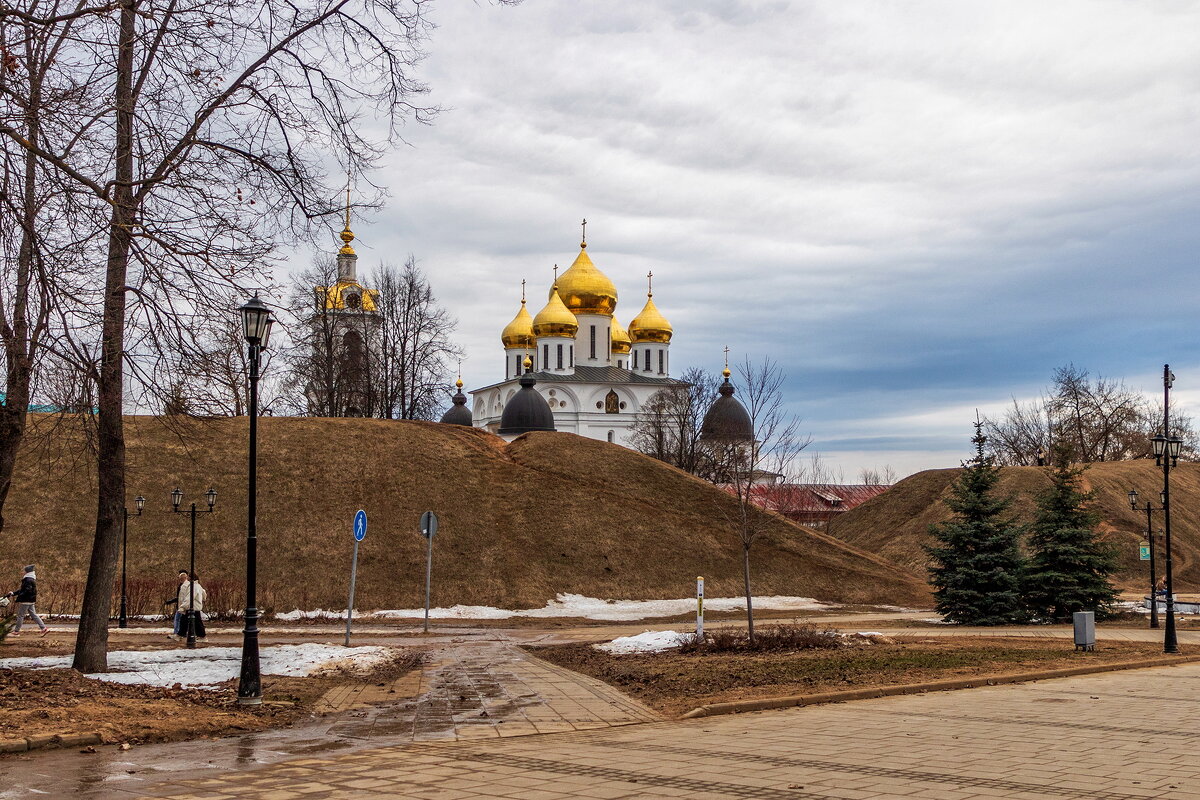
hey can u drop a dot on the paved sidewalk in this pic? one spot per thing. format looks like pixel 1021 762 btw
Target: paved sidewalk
pixel 1116 736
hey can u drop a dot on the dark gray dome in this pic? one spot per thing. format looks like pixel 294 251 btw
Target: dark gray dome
pixel 727 419
pixel 526 410
pixel 458 414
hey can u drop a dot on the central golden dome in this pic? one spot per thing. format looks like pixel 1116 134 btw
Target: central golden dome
pixel 585 289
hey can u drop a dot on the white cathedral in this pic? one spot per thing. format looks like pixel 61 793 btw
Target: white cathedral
pixel 592 374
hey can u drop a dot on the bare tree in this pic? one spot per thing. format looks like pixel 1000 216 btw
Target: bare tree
pixel 877 476
pixel 742 465
pixel 668 426
pixel 1089 418
pixel 199 133
pixel 415 354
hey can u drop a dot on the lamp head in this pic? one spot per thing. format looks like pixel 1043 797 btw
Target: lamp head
pixel 255 316
pixel 1159 443
pixel 140 502
pixel 1174 448
pixel 211 495
pixel 1133 498
pixel 176 498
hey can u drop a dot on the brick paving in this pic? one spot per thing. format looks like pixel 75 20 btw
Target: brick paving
pixel 1115 736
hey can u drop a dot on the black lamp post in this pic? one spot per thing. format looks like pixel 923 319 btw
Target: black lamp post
pixel 176 499
pixel 1166 455
pixel 122 617
pixel 1149 509
pixel 256 327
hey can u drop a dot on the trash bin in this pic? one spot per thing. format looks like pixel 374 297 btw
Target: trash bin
pixel 1085 630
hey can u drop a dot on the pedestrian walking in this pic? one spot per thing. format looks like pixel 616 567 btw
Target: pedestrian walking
pixel 26 596
pixel 177 619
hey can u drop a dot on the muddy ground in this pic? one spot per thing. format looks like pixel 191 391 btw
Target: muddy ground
pixel 675 683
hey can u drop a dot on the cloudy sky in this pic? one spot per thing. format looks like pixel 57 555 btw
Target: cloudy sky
pixel 917 208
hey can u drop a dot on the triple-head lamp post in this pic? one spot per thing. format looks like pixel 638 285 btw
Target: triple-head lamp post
pixel 192 511
pixel 256 328
pixel 123 615
pixel 1150 509
pixel 1166 454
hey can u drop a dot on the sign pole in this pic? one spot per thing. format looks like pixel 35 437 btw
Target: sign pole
pixel 429 526
pixel 699 606
pixel 359 529
pixel 350 606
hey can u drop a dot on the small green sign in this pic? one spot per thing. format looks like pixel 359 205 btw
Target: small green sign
pixel 1144 551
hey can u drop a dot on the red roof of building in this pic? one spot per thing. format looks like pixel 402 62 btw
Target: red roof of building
pixel 815 500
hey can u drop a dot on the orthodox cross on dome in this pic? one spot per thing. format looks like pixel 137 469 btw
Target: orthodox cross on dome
pixel 522 291
pixel 347 235
pixel 556 274
pixel 725 372
pixel 650 284
pixel 583 244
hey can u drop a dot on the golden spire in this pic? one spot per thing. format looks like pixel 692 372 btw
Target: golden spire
pixel 650 325
pixel 347 234
pixel 459 382
pixel 725 371
pixel 519 332
pixel 583 241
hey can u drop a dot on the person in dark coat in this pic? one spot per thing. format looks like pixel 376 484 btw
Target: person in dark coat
pixel 25 597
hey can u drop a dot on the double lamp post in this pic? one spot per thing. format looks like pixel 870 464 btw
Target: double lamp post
pixel 176 499
pixel 1166 450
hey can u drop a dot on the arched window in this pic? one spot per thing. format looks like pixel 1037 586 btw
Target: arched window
pixel 610 436
pixel 612 403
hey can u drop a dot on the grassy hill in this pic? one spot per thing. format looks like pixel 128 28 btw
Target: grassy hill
pixel 520 522
pixel 895 524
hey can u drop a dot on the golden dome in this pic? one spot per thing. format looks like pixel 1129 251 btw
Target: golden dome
pixel 519 332
pixel 620 339
pixel 555 319
pixel 585 289
pixel 650 325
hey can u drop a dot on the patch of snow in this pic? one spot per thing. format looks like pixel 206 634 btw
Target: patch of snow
pixel 870 633
pixel 576 605
pixel 206 667
pixel 648 642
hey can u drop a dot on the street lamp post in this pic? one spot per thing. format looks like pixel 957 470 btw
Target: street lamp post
pixel 123 616
pixel 256 328
pixel 1149 509
pixel 1166 455
pixel 176 499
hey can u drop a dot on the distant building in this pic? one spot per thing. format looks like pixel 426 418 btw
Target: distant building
pixel 814 504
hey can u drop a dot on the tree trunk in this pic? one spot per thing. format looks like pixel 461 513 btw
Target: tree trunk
pixel 749 600
pixel 91 643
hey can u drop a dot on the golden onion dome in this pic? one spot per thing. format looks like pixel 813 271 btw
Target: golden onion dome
pixel 555 319
pixel 620 339
pixel 585 289
pixel 519 332
pixel 650 325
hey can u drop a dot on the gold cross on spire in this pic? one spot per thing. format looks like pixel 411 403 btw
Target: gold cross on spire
pixel 556 275
pixel 347 234
pixel 583 244
pixel 459 382
pixel 522 291
pixel 650 284
pixel 725 371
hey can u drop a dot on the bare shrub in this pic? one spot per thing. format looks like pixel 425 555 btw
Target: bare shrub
pixel 770 638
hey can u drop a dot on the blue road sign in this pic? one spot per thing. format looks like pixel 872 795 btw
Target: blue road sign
pixel 360 525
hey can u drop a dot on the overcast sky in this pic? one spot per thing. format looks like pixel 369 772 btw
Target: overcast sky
pixel 917 208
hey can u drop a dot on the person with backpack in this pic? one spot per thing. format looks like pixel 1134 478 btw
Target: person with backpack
pixel 25 597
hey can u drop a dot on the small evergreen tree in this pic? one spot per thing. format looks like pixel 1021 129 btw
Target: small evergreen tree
pixel 976 564
pixel 1069 565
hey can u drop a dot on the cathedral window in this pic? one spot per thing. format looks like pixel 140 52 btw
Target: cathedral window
pixel 593 334
pixel 610 436
pixel 560 355
pixel 646 368
pixel 545 356
pixel 635 359
pixel 572 357
pixel 660 362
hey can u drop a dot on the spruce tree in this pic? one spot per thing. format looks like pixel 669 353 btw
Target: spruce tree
pixel 1069 565
pixel 976 564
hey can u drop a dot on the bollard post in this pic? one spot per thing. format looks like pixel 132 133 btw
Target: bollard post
pixel 699 606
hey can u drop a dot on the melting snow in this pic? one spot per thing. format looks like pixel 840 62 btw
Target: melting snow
pixel 205 667
pixel 575 605
pixel 648 642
